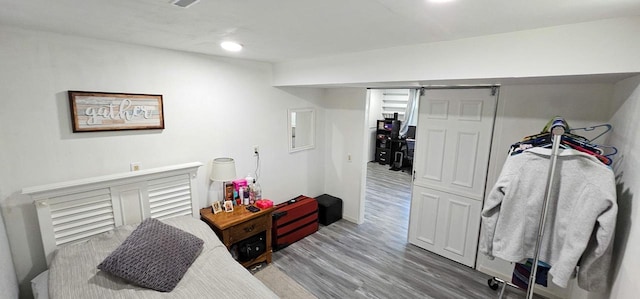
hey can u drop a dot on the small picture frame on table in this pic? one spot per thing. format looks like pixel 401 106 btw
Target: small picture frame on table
pixel 228 191
pixel 217 207
pixel 228 206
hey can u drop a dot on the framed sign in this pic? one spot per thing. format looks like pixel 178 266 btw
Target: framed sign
pixel 107 111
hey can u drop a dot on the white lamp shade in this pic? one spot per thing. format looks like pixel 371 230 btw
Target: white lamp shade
pixel 223 169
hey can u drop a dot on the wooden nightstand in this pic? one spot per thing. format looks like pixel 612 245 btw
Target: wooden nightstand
pixel 232 227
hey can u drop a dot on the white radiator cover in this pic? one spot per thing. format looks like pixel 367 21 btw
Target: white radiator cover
pixel 74 211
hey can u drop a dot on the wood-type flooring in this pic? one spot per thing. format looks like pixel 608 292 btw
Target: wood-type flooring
pixel 374 259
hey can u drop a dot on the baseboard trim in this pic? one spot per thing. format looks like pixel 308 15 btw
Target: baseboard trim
pixel 353 220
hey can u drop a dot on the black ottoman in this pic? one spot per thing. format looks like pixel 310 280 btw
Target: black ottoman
pixel 329 209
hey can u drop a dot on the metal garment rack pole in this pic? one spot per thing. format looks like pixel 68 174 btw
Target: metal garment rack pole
pixel 558 128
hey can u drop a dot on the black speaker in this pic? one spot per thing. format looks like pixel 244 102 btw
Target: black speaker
pixel 395 129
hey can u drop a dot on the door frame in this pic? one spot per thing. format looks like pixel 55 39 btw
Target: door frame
pixel 365 149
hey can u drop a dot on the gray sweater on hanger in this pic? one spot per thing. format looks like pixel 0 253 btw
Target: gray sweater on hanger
pixel 580 221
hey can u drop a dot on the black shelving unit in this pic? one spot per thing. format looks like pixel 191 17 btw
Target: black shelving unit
pixel 383 141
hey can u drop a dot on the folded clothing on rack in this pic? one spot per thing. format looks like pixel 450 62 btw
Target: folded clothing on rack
pixel 521 273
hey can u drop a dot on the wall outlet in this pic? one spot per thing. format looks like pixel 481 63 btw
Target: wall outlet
pixel 255 150
pixel 349 157
pixel 135 166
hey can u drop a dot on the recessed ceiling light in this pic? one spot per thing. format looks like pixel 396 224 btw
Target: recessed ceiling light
pixel 231 46
pixel 184 3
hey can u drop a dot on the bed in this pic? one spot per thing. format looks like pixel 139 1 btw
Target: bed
pixel 84 221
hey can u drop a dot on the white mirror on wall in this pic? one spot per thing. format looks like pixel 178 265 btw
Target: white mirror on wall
pixel 301 129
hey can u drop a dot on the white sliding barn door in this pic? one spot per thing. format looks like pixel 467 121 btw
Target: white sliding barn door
pixel 450 167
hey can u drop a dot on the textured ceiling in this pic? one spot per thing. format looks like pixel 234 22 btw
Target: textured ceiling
pixel 283 30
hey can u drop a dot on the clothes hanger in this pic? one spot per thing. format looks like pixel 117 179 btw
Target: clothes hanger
pixel 527 143
pixel 573 142
pixel 536 136
pixel 543 140
pixel 591 149
pixel 589 129
pixel 570 131
pixel 569 140
pixel 546 130
pixel 603 159
pixel 601 148
pixel 613 148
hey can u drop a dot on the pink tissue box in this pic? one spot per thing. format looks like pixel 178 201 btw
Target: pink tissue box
pixel 264 203
pixel 239 183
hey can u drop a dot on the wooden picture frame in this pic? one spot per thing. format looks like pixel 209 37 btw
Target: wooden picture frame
pixel 228 191
pixel 110 111
pixel 217 207
pixel 228 206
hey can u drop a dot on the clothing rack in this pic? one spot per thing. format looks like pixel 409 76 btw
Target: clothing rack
pixel 558 127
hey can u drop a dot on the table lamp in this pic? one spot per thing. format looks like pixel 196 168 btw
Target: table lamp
pixel 223 170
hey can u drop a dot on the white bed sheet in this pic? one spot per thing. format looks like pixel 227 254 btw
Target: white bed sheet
pixel 214 274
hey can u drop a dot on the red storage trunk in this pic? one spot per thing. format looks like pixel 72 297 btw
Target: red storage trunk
pixel 294 220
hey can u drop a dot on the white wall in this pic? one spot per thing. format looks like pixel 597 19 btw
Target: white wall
pixel 375 113
pixel 600 47
pixel 375 109
pixel 345 123
pixel 524 110
pixel 213 107
pixel 626 138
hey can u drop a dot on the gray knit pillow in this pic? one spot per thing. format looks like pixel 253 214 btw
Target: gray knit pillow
pixel 155 256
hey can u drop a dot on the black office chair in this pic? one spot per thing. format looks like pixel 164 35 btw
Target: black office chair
pixel 403 157
pixel 398 160
pixel 411 143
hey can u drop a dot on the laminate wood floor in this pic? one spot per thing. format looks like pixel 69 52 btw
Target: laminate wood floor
pixel 374 259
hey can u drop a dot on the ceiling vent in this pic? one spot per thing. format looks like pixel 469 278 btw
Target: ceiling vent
pixel 184 3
